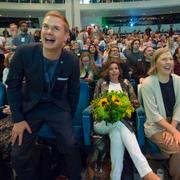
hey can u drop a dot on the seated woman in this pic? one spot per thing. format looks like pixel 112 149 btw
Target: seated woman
pixel 88 71
pixel 96 55
pixel 87 67
pixel 161 98
pixel 120 136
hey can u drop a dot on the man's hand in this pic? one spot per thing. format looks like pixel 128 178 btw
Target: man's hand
pixel 7 110
pixel 18 130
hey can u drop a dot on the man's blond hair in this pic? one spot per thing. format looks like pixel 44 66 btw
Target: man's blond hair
pixel 60 16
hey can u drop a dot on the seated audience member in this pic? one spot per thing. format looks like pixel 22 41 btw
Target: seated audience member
pixel 140 69
pixel 37 36
pixel 114 55
pixel 161 98
pixel 96 55
pixel 9 47
pixel 147 41
pixel 7 61
pixel 120 135
pixel 87 43
pixel 133 54
pixel 75 48
pixel 177 42
pixel 177 61
pixel 171 44
pixel 87 67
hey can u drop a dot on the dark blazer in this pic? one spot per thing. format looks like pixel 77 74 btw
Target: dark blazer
pixel 27 64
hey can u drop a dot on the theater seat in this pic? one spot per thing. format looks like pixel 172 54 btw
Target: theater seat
pixel 87 125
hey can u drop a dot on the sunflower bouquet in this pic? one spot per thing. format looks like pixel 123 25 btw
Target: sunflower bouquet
pixel 111 107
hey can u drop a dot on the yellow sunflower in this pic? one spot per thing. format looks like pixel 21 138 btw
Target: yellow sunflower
pixel 103 102
pixel 116 100
pixel 129 112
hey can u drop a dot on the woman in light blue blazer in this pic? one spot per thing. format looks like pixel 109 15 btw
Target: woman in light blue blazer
pixel 161 98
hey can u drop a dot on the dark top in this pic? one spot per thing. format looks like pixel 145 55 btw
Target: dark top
pixel 133 57
pixel 125 70
pixel 168 94
pixel 140 70
pixel 49 69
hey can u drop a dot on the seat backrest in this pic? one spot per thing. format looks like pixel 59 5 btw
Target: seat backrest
pixel 140 119
pixel 87 125
pixel 84 100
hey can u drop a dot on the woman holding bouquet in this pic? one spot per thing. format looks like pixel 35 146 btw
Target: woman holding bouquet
pixel 120 135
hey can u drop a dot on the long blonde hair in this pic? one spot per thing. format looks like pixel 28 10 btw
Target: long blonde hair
pixel 157 54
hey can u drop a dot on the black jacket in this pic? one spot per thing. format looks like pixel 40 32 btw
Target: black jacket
pixel 27 64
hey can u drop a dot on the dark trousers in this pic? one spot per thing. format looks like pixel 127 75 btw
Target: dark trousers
pixel 61 124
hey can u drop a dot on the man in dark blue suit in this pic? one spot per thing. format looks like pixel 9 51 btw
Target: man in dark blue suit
pixel 49 76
